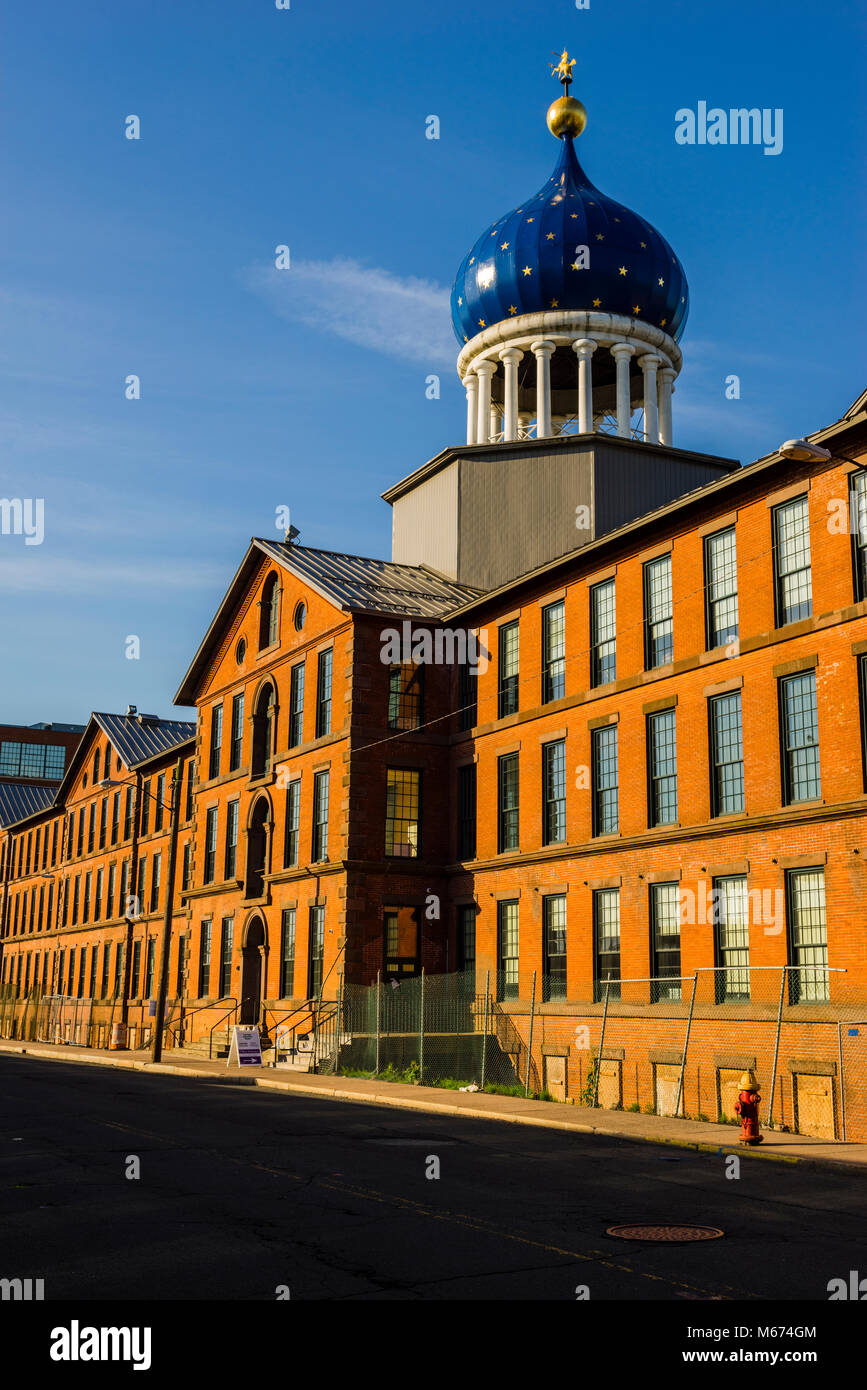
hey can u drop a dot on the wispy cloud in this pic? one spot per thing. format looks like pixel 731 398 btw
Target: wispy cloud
pixel 402 316
pixel 34 571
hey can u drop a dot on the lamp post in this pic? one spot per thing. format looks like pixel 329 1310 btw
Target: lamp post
pixel 157 1039
pixel 802 451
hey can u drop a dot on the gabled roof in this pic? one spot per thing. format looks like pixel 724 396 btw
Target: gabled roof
pixel 18 800
pixel 136 738
pixel 352 583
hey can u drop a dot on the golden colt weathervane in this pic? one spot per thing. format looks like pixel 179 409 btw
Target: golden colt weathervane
pixel 566 116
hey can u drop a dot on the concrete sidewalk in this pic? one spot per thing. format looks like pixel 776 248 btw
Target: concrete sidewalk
pixel 648 1129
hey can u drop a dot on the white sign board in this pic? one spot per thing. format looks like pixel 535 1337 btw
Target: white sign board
pixel 246 1047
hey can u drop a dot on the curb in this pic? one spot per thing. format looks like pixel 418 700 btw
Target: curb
pixel 428 1107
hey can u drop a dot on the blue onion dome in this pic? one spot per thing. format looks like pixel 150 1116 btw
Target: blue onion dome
pixel 530 260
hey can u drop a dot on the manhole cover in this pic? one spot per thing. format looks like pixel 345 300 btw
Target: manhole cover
pixel 665 1233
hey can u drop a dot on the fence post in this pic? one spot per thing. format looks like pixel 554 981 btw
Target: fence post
pixel 842 1086
pixel 601 1047
pixel 485 1034
pixel 685 1046
pixel 378 1005
pixel 530 1041
pixel 770 1120
pixel 421 1032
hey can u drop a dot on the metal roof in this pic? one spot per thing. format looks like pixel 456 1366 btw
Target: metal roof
pixel 357 583
pixel 21 799
pixel 138 738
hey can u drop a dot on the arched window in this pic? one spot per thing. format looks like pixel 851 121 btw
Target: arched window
pixel 263 732
pixel 257 850
pixel 269 606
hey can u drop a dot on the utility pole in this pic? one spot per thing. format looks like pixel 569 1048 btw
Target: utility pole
pixel 157 1041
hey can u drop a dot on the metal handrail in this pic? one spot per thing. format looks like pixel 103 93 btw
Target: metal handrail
pixel 221 1019
pixel 308 1006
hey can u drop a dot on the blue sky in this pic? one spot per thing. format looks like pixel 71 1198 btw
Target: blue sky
pixel 306 127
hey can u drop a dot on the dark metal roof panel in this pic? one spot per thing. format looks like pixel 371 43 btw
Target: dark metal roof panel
pixel 21 799
pixel 356 582
pixel 138 742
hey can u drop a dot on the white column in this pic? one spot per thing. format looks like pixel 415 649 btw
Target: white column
pixel 543 352
pixel 525 420
pixel 484 371
pixel 621 352
pixel 584 349
pixel 471 383
pixel 649 364
pixel 666 391
pixel 510 357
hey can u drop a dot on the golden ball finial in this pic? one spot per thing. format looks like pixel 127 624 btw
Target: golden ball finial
pixel 566 116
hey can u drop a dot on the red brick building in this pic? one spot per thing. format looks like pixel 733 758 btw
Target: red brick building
pixel 595 736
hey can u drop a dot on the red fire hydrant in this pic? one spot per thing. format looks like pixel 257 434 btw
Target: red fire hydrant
pixel 747 1106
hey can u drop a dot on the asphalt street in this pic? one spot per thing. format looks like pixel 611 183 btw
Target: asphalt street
pixel 242 1193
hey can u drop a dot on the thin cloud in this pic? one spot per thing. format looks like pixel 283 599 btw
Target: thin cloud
pixel 32 571
pixel 401 316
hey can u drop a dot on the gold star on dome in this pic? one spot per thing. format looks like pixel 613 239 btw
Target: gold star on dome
pixel 644 246
pixel 505 246
pixel 460 300
pixel 466 339
pixel 591 205
pixel 617 219
pixel 512 309
pixel 573 215
pixel 596 303
pixel 472 258
pixel 555 304
pixel 482 323
pixel 531 219
pixel 663 322
pixel 575 266
pixel 636 309
pixel 683 301
pixel 550 236
pixel 599 236
pixel 660 281
pixel 527 270
pixel 623 270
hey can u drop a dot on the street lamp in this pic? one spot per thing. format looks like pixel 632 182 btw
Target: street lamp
pixel 802 451
pixel 162 990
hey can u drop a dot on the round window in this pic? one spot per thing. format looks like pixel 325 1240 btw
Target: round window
pixel 240 651
pixel 300 616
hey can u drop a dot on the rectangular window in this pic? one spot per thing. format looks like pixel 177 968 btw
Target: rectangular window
pixel 150 965
pixel 858 527
pixel 467 936
pixel 145 815
pixel 606 944
pixel 210 844
pixel 467 811
pixel 320 817
pixel 80 844
pixel 97 898
pixel 665 941
pixel 237 744
pixel 726 754
pixel 553 652
pixel 658 613
pixel 402 806
pixel 317 951
pixel 127 814
pixel 216 741
pixel 554 946
pixel 296 706
pixel 112 884
pixel 293 822
pixel 187 871
pixel 862 696
pixel 605 780
pixel 205 960
pixel 800 738
pixel 406 696
pixel 226 934
pixel 119 965
pixel 181 981
pixel 662 768
pixel 191 781
pixel 103 821
pixel 156 866
pixel 507 949
pixel 508 657
pixel 603 634
pixel 115 818
pixel 808 936
pixel 135 977
pixel 323 694
pixel 793 584
pixel 85 910
pixel 721 588
pixel 468 687
pixel 91 828
pixel 554 792
pixel 731 917
pixel 159 798
pixel 287 954
pixel 232 813
pixel 106 964
pixel 82 972
pixel 507 802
